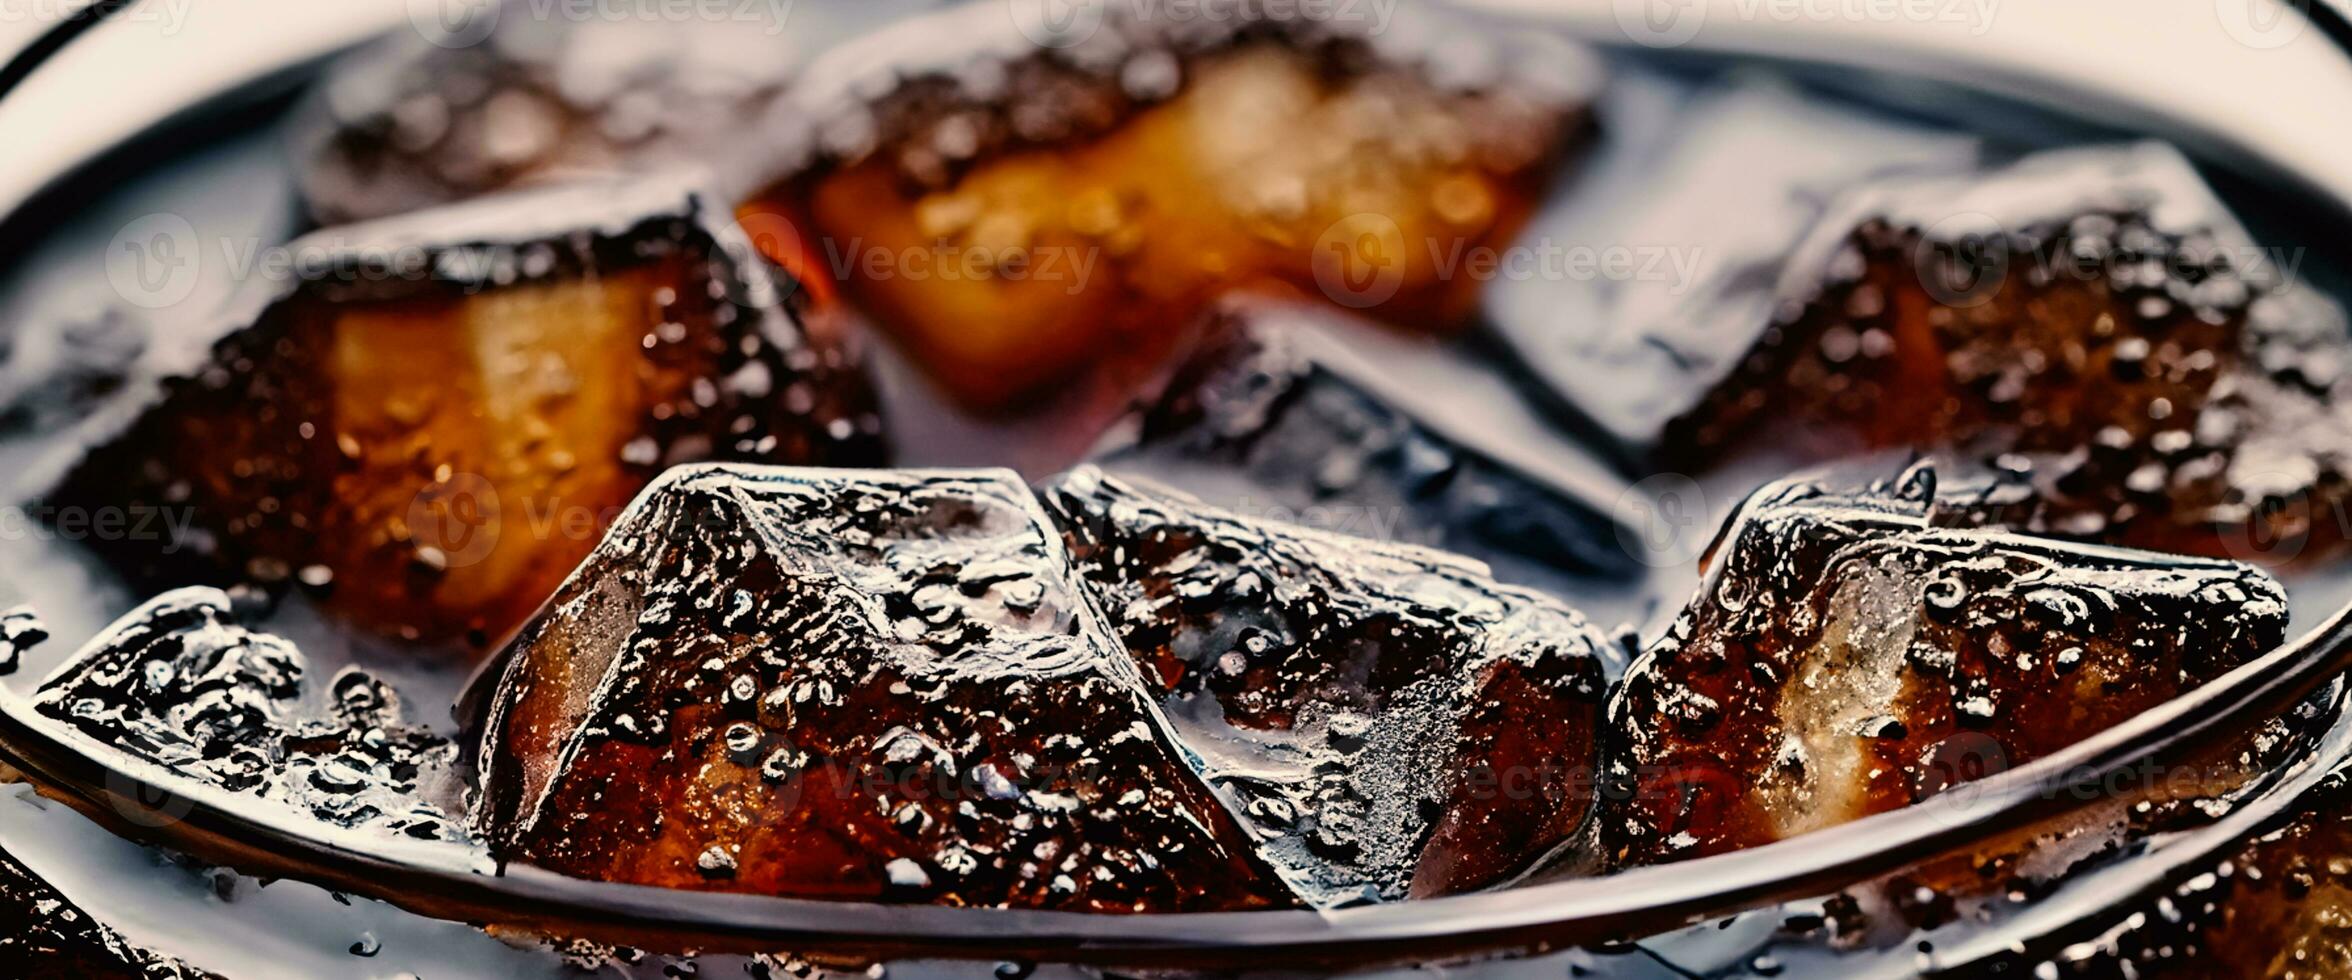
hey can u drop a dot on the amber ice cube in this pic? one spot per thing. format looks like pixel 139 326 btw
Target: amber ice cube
pixel 1018 217
pixel 51 938
pixel 1848 655
pixel 433 417
pixel 2278 905
pixel 856 686
pixel 2288 911
pixel 1270 413
pixel 2092 319
pixel 1391 721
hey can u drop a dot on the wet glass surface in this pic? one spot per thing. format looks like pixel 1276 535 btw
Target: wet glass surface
pixel 1394 438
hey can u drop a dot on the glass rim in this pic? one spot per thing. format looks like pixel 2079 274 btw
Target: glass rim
pixel 1531 917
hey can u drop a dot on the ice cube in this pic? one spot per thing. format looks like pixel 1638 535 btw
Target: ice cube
pixel 1392 722
pixel 411 123
pixel 431 418
pixel 2288 911
pixel 843 685
pixel 54 939
pixel 1704 195
pixel 1847 654
pixel 1014 210
pixel 184 691
pixel 531 93
pixel 2276 905
pixel 1275 416
pixel 2095 317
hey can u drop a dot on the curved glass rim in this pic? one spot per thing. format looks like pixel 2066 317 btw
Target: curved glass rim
pixel 1526 918
pixel 1514 920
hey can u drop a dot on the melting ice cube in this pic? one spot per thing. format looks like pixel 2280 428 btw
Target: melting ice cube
pixel 1014 212
pixel 1392 722
pixel 183 691
pixel 2094 320
pixel 50 936
pixel 1277 414
pixel 431 418
pixel 1847 655
pixel 834 684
